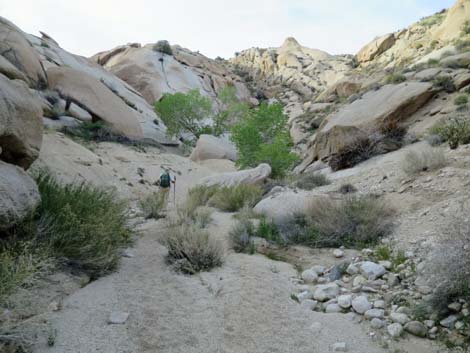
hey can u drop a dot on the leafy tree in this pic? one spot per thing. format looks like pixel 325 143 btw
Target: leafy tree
pixel 263 136
pixel 184 112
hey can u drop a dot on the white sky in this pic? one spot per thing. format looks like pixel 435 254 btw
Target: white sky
pixel 216 27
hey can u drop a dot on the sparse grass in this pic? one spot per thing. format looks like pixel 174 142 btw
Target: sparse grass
pixel 433 20
pixel 427 159
pixel 455 131
pixel 240 237
pixel 191 249
pixel 202 216
pixel 86 225
pixel 445 83
pixel 466 28
pixel 233 198
pixel 386 253
pixel 294 298
pixel 153 205
pixel 462 45
pixel 395 78
pixel 433 62
pixel 461 100
pixel 355 220
pixel 309 181
pixel 347 189
pixel 269 231
pixel 449 264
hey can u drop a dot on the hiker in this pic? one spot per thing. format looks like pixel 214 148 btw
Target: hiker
pixel 164 182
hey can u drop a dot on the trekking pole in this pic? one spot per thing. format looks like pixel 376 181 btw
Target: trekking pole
pixel 174 191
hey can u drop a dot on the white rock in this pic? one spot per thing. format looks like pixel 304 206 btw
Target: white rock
pixel 352 270
pixel 367 252
pixel 387 264
pixel 309 304
pixel 118 318
pixel 374 314
pixel 449 321
pixel 345 301
pixel 379 304
pixel 399 318
pixel 309 276
pixel 304 295
pixel 372 270
pixel 338 253
pixel 429 323
pixel 332 308
pixel 395 330
pixel 359 280
pixel 361 304
pixel 377 323
pixel 326 291
pixel 247 176
pixel 340 347
pixel 319 269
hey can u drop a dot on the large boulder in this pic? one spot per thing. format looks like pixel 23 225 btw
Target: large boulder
pixel 281 206
pixel 451 27
pixel 248 176
pixel 211 147
pixel 375 48
pixel 92 95
pixel 355 122
pixel 15 48
pixel 20 123
pixel 19 195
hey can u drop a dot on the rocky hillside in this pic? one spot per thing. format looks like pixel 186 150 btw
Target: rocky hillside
pixel 153 72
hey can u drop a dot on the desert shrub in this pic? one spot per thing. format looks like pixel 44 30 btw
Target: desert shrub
pixel 445 83
pixel 233 198
pixel 202 216
pixel 433 140
pixel 352 155
pixel 184 112
pixel 240 237
pixel 425 160
pixel 395 78
pixel 262 136
pixel 163 46
pixel 309 181
pixel 153 205
pixel 433 62
pixel 268 230
pixel 191 249
pixel 449 265
pixel 461 100
pixel 87 226
pixel 455 131
pixel 355 220
pixel 199 196
pixel 432 20
pixel 347 189
pixel 462 45
pixel 466 28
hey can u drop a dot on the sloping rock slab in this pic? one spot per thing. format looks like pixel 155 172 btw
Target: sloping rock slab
pixel 211 147
pixel 248 176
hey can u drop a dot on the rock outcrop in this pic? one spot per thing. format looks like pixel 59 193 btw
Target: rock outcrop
pixel 95 97
pixel 375 48
pixel 18 59
pixel 154 73
pixel 247 176
pixel 211 147
pixel 19 195
pixel 20 123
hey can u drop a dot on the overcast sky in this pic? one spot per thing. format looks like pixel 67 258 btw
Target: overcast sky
pixel 216 27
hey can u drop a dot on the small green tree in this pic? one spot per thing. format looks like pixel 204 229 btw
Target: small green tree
pixel 232 110
pixel 184 112
pixel 262 137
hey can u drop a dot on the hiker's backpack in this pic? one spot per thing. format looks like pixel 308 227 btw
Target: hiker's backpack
pixel 165 180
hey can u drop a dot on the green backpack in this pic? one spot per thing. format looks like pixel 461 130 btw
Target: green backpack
pixel 165 180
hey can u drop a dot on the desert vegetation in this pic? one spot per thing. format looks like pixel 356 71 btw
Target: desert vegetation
pixel 427 159
pixel 153 205
pixel 454 130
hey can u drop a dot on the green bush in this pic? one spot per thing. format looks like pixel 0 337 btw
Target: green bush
pixel 87 226
pixel 461 100
pixel 163 46
pixel 263 137
pixel 426 160
pixel 355 221
pixel 184 112
pixel 455 131
pixel 445 83
pixel 191 249
pixel 395 78
pixel 199 196
pixel 269 231
pixel 153 205
pixel 309 181
pixel 233 198
pixel 466 28
pixel 433 62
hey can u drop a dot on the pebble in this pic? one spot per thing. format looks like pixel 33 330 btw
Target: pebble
pixel 359 280
pixel 338 253
pixel 340 347
pixel 376 323
pixel 332 308
pixel 374 314
pixel 352 270
pixel 309 304
pixel 319 269
pixel 449 321
pixel 345 301
pixel 395 330
pixel 118 318
pixel 304 295
pixel 361 304
pixel 416 328
pixel 379 304
pixel 325 292
pixel 399 318
pixel 455 307
pixel 429 323
pixel 309 276
pixel 372 270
